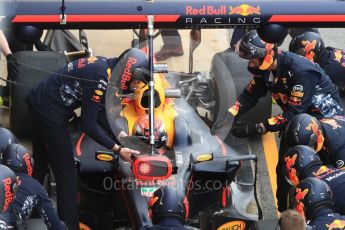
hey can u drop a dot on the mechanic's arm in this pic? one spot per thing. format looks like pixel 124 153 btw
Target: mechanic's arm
pixel 48 212
pixel 92 96
pixel 255 89
pixel 303 89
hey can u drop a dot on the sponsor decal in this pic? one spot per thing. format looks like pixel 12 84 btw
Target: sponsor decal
pixel 339 163
pixel 91 60
pixel 336 224
pixel 83 226
pixel 297 93
pixel 289 163
pixel 104 157
pixel 298 88
pixel 235 108
pixel 204 157
pixel 206 10
pixel 81 63
pixel 98 92
pixel 244 10
pixel 70 67
pixel 96 98
pixel 309 47
pixel 323 171
pixel 127 73
pixel 147 191
pixel 8 193
pixel 277 120
pixel 299 197
pixel 238 225
pixel 331 122
pixel 27 160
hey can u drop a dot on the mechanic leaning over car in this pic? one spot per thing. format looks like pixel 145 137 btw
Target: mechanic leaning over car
pixel 325 136
pixel 297 85
pixel 81 83
pixel 301 162
pixel 313 199
pixel 30 194
pixel 331 60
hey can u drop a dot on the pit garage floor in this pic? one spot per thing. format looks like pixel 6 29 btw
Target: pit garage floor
pixel 111 43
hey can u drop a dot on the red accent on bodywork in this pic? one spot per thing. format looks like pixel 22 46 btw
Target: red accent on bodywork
pixel 77 147
pixel 307 18
pixel 93 18
pixel 224 151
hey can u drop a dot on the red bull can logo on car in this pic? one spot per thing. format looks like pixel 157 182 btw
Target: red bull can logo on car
pixel 244 10
pixel 336 224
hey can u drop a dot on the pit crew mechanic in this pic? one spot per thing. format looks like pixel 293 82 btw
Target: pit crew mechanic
pixel 313 199
pixel 302 162
pixel 298 86
pixel 325 136
pixel 330 59
pixel 81 83
pixel 30 194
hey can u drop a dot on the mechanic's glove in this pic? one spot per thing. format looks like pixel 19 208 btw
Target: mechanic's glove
pixel 227 119
pixel 12 66
pixel 128 154
pixel 242 130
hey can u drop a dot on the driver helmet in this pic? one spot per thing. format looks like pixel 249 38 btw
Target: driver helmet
pixel 308 44
pixel 310 195
pixel 8 187
pixel 166 202
pixel 17 158
pixel 6 138
pixel 304 129
pixel 142 129
pixel 132 67
pixel 252 47
pixel 298 161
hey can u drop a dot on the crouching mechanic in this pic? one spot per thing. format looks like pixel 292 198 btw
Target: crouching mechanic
pixel 313 199
pixel 297 85
pixel 30 194
pixel 167 210
pixel 81 83
pixel 325 136
pixel 331 60
pixel 302 162
pixel 8 189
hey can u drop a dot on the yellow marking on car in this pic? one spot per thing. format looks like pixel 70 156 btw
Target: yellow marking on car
pixel 204 157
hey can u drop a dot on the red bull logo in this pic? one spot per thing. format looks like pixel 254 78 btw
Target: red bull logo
pixel 309 47
pixel 331 122
pixel 338 55
pixel 127 73
pixel 245 10
pixel 206 10
pixel 91 60
pixel 323 171
pixel 8 193
pixel 235 108
pixel 289 164
pixel 27 160
pixel 277 120
pixel 299 197
pixel 336 224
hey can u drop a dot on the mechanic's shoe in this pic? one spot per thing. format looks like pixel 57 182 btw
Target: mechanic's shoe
pixel 169 51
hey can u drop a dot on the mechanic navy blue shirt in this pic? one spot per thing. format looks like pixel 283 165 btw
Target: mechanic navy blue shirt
pixel 81 83
pixel 326 219
pixel 29 196
pixel 332 61
pixel 298 86
pixel 334 144
pixel 335 178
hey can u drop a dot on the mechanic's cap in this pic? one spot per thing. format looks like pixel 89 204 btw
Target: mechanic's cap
pixel 131 66
pixel 6 138
pixel 166 202
pixel 17 158
pixel 8 187
pixel 310 195
pixel 308 44
pixel 304 129
pixel 252 47
pixel 298 161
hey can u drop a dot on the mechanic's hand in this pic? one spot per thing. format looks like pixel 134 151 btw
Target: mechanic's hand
pixel 242 130
pixel 127 154
pixel 12 65
pixel 225 120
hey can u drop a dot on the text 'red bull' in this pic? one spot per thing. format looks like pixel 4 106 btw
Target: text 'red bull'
pixel 127 73
pixel 28 163
pixel 206 10
pixel 8 193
